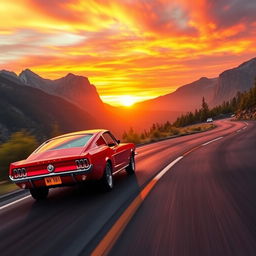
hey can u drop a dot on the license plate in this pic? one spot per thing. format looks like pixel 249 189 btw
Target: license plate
pixel 49 181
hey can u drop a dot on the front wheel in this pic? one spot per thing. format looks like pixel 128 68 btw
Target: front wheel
pixel 39 193
pixel 130 169
pixel 107 179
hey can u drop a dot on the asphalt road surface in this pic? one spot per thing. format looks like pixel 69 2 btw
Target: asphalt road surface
pixel 204 204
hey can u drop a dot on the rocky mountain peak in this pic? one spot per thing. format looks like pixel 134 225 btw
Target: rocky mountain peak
pixel 248 64
pixel 76 80
pixel 28 72
pixel 8 73
pixel 70 75
pixel 10 76
pixel 231 81
pixel 203 78
pixel 74 88
pixel 26 75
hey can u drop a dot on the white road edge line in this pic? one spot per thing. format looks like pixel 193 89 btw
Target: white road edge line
pixel 238 130
pixel 108 241
pixel 167 168
pixel 157 177
pixel 206 143
pixel 14 202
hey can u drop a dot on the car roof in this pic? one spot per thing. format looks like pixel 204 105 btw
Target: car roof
pixel 94 131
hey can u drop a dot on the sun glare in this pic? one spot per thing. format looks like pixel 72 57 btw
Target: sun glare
pixel 127 100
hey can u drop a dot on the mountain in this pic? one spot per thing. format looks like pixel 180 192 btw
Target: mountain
pixel 73 88
pixel 11 76
pixel 22 107
pixel 32 102
pixel 79 91
pixel 233 80
pixel 215 90
pixel 172 105
pixel 185 98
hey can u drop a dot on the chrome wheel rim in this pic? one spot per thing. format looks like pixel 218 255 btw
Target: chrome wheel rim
pixel 109 176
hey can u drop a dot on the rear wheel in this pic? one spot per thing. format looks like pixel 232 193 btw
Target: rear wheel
pixel 107 179
pixel 130 169
pixel 39 193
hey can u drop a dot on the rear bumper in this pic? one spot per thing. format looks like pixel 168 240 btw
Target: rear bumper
pixel 67 174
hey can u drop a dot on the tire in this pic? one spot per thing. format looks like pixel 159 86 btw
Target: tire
pixel 130 169
pixel 39 193
pixel 107 179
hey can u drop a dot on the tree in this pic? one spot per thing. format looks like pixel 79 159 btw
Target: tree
pixel 125 135
pixel 131 136
pixel 233 104
pixel 204 110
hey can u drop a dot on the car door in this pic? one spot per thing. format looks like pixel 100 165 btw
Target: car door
pixel 124 152
pixel 116 150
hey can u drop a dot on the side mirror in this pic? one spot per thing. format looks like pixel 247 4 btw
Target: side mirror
pixel 111 144
pixel 118 141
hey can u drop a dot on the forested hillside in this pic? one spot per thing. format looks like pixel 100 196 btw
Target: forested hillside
pixel 243 105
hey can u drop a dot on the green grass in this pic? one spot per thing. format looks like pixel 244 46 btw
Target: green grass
pixel 7 187
pixel 181 131
pixel 196 128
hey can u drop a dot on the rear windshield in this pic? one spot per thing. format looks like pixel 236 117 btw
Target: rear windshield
pixel 75 141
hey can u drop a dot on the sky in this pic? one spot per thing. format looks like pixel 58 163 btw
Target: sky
pixel 131 50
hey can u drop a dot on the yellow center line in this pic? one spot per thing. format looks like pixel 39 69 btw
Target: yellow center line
pixel 113 234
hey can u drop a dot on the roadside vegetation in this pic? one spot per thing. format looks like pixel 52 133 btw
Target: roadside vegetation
pixel 159 132
pixel 184 125
pixel 6 187
pixel 18 147
pixel 242 103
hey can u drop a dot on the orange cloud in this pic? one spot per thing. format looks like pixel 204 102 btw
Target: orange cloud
pixel 127 47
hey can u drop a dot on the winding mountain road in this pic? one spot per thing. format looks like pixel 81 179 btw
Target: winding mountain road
pixel 191 195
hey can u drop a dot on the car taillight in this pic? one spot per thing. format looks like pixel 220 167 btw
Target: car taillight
pixel 82 163
pixel 19 173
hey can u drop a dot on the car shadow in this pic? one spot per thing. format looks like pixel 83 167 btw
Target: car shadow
pixel 57 224
pixel 88 193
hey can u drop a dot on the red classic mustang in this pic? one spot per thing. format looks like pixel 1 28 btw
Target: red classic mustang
pixel 73 158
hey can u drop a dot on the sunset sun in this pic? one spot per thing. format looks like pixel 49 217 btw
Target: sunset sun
pixel 127 100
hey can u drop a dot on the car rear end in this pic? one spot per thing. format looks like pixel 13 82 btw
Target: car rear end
pixel 61 161
pixel 50 173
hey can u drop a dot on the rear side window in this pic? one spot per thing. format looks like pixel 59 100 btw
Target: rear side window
pixel 108 138
pixel 100 142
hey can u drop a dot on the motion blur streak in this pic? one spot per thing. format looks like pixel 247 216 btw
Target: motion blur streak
pixel 80 217
pixel 204 206
pixel 109 240
pixel 14 202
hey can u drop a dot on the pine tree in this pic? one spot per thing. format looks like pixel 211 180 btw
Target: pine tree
pixel 205 110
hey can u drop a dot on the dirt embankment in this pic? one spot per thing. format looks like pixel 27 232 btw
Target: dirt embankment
pixel 248 114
